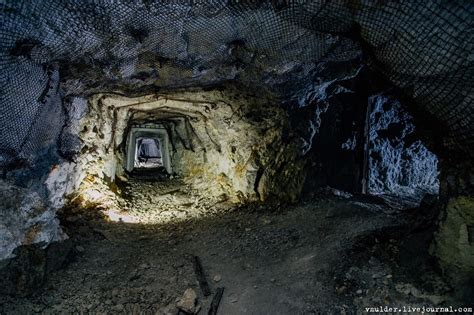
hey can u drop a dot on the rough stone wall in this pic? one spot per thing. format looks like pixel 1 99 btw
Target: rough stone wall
pixel 341 111
pixel 26 218
pixel 29 201
pixel 399 163
pixel 223 142
pixel 328 116
pixel 97 129
pixel 454 241
pixel 239 147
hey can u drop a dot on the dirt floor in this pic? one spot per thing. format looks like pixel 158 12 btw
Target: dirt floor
pixel 330 255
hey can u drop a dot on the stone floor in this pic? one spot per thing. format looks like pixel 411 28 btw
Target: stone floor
pixel 329 255
pixel 155 202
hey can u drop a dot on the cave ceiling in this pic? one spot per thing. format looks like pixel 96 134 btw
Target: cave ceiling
pixel 54 49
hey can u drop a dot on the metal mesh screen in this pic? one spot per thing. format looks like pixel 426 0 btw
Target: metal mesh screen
pixel 423 47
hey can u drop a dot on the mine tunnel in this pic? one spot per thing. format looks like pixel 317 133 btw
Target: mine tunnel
pixel 236 157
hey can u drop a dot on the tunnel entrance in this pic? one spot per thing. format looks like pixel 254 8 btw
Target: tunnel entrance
pixel 148 153
pixel 147 149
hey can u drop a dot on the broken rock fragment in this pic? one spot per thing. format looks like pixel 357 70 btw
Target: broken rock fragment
pixel 188 302
pixel 217 278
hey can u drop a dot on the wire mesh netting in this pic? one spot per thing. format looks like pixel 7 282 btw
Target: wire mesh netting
pixel 423 47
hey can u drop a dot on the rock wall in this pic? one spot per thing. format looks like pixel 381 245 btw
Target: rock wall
pixel 223 142
pixel 454 241
pixel 399 163
pixel 26 218
pixel 328 116
pixel 352 133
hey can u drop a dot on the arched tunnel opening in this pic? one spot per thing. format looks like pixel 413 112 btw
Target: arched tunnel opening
pixel 266 157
